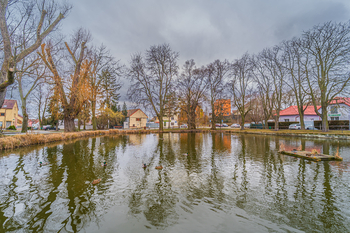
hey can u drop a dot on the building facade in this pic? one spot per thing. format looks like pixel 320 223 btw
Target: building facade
pixel 169 122
pixel 338 109
pixel 291 114
pixel 222 107
pixel 9 114
pixel 136 118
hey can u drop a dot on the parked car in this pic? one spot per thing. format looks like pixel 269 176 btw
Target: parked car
pixel 51 128
pixel 218 125
pixel 310 127
pixel 294 126
pixel 184 126
pixel 247 125
pixel 46 126
pixel 224 125
pixel 235 125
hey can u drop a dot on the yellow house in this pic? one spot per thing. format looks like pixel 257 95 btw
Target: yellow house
pixel 169 122
pixel 136 118
pixel 9 114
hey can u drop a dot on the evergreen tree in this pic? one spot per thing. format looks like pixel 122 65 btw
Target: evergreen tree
pixel 125 110
pixel 114 108
pixel 54 109
pixel 110 86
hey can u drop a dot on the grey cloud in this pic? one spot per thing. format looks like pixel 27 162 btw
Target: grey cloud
pixel 204 30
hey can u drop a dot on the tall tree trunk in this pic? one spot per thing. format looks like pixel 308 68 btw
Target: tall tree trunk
pixel 301 116
pixel 2 93
pixel 79 123
pixel 277 126
pixel 25 116
pixel 325 127
pixel 160 123
pixel 69 124
pixel 192 119
pixel 213 127
pixel 93 111
pixel 40 121
pixel 243 120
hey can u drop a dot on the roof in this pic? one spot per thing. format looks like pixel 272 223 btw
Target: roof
pixel 9 104
pixel 341 100
pixel 132 111
pixel 293 110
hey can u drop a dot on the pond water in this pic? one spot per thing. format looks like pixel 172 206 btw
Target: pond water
pixel 226 183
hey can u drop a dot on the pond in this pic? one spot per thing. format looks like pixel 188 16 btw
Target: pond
pixel 226 183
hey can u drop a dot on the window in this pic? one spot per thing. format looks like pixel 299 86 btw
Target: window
pixel 172 123
pixel 172 118
pixel 5 106
pixel 334 118
pixel 286 120
pixel 2 114
pixel 138 119
pixel 334 110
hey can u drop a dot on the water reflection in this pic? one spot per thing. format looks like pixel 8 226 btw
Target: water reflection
pixel 225 183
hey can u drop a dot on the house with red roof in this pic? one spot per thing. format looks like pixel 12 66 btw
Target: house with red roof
pixel 338 109
pixel 291 114
pixel 136 118
pixel 9 114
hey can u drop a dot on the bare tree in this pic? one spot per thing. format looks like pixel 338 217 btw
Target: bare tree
pixel 152 78
pixel 70 97
pixel 217 73
pixel 264 85
pixel 30 74
pixel 31 21
pixel 278 73
pixel 241 85
pixel 192 88
pixel 295 64
pixel 102 61
pixel 328 48
pixel 40 97
pixel 272 60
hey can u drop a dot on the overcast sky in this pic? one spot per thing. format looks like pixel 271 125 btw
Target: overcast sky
pixel 204 30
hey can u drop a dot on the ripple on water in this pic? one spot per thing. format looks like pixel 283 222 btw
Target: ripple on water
pixel 227 183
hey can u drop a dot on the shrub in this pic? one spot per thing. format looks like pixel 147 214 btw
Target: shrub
pixel 12 127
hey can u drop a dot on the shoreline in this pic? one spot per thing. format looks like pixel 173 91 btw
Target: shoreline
pixel 23 140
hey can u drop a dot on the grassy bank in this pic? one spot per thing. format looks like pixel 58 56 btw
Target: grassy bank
pixel 333 134
pixel 17 141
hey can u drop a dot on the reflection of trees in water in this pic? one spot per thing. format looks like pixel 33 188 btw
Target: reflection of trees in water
pixel 156 199
pixel 242 191
pixel 299 199
pixel 298 193
pixel 9 199
pixel 45 190
pixel 192 144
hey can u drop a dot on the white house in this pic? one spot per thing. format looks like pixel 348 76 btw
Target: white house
pixel 169 122
pixel 136 119
pixel 338 109
pixel 291 114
